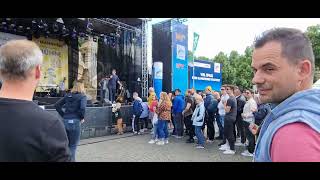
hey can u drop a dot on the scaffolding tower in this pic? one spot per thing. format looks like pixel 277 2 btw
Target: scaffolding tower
pixel 144 79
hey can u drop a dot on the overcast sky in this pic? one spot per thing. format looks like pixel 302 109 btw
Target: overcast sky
pixel 227 34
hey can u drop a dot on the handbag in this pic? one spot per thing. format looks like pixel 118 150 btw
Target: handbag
pixel 155 118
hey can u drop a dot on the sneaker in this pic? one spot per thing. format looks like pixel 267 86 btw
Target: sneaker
pixel 239 144
pixel 152 133
pixel 229 151
pixel 166 141
pixel 135 132
pixel 247 153
pixel 221 144
pixel 195 137
pixel 156 140
pixel 209 141
pixel 141 130
pixel 160 143
pixel 140 133
pixel 200 147
pixel 224 148
pixel 152 141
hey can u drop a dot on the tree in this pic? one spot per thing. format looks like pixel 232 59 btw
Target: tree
pixel 313 32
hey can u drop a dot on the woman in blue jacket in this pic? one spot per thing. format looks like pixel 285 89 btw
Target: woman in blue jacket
pixel 72 109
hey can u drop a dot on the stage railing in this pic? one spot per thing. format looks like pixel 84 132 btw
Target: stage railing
pixel 99 121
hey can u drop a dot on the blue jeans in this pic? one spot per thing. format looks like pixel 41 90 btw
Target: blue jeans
pixel 178 123
pixel 155 131
pixel 199 135
pixel 163 129
pixel 220 123
pixel 72 127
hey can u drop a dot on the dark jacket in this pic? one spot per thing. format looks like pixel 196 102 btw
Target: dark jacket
pixel 210 103
pixel 137 108
pixel 261 113
pixel 241 101
pixel 74 104
pixel 178 104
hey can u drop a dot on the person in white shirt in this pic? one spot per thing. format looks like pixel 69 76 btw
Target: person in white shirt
pixel 248 118
pixel 223 100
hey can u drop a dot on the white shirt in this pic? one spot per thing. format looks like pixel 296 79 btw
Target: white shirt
pixel 250 104
pixel 224 98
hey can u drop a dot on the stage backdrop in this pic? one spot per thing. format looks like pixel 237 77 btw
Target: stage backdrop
pixel 205 74
pixel 55 62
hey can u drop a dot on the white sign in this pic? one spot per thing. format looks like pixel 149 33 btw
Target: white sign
pixel 181 52
pixel 216 68
pixel 158 70
pixel 202 65
pixel 5 37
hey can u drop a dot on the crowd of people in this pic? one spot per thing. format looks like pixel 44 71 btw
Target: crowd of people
pixel 279 124
pixel 237 114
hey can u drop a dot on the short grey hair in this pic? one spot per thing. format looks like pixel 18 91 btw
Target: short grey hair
pixel 295 44
pixel 17 58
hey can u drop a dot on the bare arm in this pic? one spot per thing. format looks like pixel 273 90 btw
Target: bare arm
pixel 187 108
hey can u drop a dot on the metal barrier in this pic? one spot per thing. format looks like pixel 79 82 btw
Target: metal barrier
pixel 99 122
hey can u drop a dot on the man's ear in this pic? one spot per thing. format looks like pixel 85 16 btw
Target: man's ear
pixel 38 72
pixel 304 69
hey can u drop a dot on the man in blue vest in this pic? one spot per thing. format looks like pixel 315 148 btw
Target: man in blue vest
pixel 283 65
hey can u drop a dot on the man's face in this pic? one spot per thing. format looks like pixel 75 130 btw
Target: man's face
pixel 223 90
pixel 248 94
pixel 229 91
pixel 237 92
pixel 114 72
pixel 275 77
pixel 176 93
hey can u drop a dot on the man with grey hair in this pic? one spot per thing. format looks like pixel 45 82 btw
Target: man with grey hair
pixel 27 132
pixel 283 66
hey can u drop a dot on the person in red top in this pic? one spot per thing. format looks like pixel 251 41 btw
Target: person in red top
pixel 154 119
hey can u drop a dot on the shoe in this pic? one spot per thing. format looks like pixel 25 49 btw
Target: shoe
pixel 219 138
pixel 229 151
pixel 209 141
pixel 239 144
pixel 200 147
pixel 166 141
pixel 152 133
pixel 224 148
pixel 160 143
pixel 247 153
pixel 156 140
pixel 140 133
pixel 135 132
pixel 195 137
pixel 220 144
pixel 152 141
pixel 190 141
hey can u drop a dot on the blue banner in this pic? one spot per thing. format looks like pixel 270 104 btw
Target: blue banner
pixel 206 74
pixel 158 76
pixel 179 56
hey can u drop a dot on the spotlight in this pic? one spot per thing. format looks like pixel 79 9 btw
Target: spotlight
pixel 89 26
pixel 40 25
pixel 64 31
pixel 86 37
pixel 55 27
pixel 59 20
pixel 74 34
pixel 20 29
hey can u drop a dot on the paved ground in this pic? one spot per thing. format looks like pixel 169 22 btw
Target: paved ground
pixel 129 148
